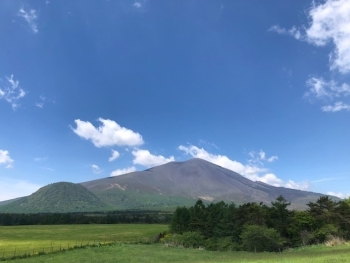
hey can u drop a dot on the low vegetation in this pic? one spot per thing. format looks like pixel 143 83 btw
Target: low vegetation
pixel 154 253
pixel 16 241
pixel 257 227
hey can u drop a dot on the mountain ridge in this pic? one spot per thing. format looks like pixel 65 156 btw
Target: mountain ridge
pixel 162 187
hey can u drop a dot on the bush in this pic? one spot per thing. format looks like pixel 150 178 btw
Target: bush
pixel 322 234
pixel 187 239
pixel 221 244
pixel 261 238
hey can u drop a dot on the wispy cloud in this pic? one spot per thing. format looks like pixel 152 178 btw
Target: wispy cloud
pixel 115 155
pixel 109 133
pixel 260 157
pixel 294 32
pixel 251 171
pixel 328 91
pixel 322 89
pixel 96 169
pixel 42 100
pixel 340 195
pixel 39 159
pixel 338 106
pixel 30 17
pixel 5 159
pixel 123 171
pixel 137 4
pixel 12 92
pixel 145 158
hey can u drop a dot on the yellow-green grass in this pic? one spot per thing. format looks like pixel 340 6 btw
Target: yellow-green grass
pixel 19 240
pixel 157 253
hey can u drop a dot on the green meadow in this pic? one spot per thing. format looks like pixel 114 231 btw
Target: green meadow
pixel 19 240
pixel 118 243
pixel 158 253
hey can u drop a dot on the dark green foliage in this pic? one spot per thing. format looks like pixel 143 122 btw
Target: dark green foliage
pixel 222 244
pixel 180 220
pixel 261 238
pixel 57 198
pixel 258 227
pixel 191 239
pixel 115 217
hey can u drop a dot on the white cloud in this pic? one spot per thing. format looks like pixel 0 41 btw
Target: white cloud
pixel 30 17
pixel 252 171
pixel 137 5
pixel 96 169
pixel 12 92
pixel 298 185
pixel 338 106
pixel 40 104
pixel 340 195
pixel 261 157
pixel 5 159
pixel 321 89
pixel 294 32
pixel 330 23
pixel 109 134
pixel 10 188
pixel 115 155
pixel 145 158
pixel 123 171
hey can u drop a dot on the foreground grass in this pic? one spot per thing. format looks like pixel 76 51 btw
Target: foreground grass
pixel 19 240
pixel 157 253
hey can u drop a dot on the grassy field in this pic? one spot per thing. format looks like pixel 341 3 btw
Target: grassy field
pixel 157 253
pixel 18 240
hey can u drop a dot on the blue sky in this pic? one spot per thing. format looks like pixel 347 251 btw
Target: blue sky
pixel 91 89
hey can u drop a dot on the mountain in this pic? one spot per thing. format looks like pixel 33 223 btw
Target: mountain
pixel 181 183
pixel 162 187
pixel 59 197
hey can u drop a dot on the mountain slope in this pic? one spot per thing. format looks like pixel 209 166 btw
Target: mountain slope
pixel 57 198
pixel 179 183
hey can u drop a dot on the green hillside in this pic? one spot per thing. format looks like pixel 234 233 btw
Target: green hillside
pixel 59 197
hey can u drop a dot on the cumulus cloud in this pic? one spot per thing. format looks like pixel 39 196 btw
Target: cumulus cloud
pixel 115 155
pixel 123 171
pixel 96 169
pixel 12 92
pixel 10 188
pixel 145 158
pixel 251 171
pixel 30 17
pixel 109 133
pixel 338 106
pixel 5 159
pixel 340 195
pixel 330 23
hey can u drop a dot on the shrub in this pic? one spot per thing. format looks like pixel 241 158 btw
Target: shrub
pixel 261 238
pixel 221 244
pixel 187 239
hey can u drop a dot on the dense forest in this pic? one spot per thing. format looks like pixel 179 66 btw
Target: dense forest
pixel 116 217
pixel 258 227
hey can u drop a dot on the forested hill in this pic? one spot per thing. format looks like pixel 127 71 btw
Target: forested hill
pixel 60 197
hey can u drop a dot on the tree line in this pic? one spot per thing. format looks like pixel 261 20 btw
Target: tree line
pixel 116 217
pixel 258 227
